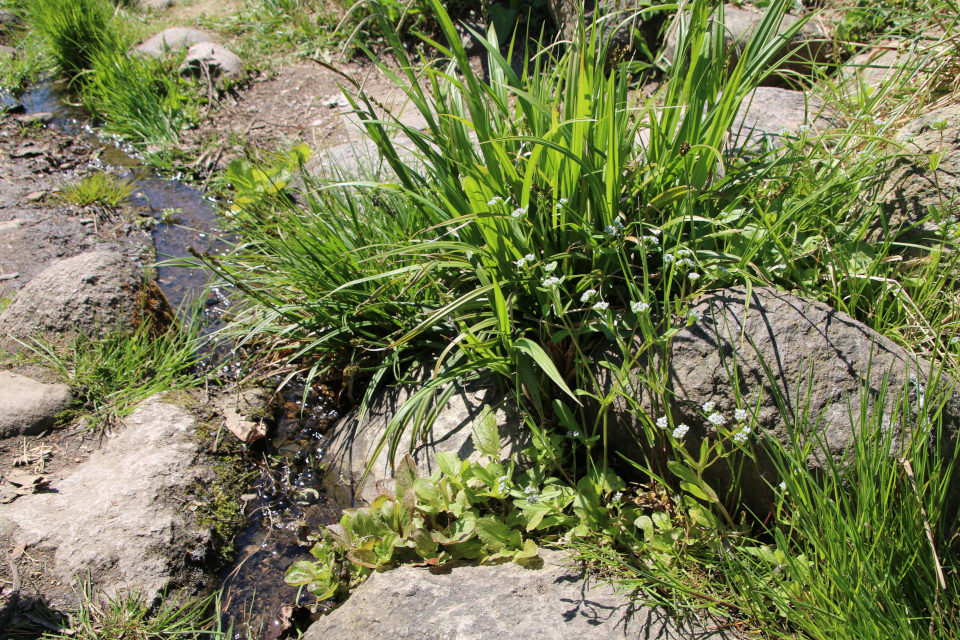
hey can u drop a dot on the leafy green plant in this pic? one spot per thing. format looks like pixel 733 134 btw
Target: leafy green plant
pixel 255 187
pixel 76 31
pixel 29 64
pixel 100 188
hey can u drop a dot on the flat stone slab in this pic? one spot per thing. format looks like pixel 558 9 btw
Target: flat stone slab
pixel 499 602
pixel 114 518
pixel 28 407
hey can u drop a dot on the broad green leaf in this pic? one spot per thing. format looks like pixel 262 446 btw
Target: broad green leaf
pixel 299 573
pixel 486 437
pixel 406 475
pixel 449 462
pixel 426 491
pixel 363 557
pixel 493 533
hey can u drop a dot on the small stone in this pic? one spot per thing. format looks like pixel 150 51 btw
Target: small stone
pixel 9 276
pixel 78 460
pixel 86 220
pixel 217 59
pixel 172 39
pixel 36 196
pixel 28 407
pixel 29 150
pixel 10 225
pixel 39 117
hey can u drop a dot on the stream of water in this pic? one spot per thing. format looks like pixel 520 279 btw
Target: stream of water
pixel 286 499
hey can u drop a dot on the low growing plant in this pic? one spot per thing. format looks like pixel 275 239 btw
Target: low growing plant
pixel 100 188
pixel 76 31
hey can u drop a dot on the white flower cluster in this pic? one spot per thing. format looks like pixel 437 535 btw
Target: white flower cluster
pixel 716 419
pixel 573 434
pixel 617 496
pixel 878 121
pixel 662 422
pixel 562 202
pixel 549 267
pixel 709 406
pixel 740 415
pixel 741 436
pixel 803 128
pixel 696 315
pixel 654 240
pixel 907 136
pixel 502 484
pixel 693 275
pixel 525 259
pixel 497 200
pixel 522 211
pixel 783 486
pixel 589 293
pixel 601 306
pixel 639 307
pixel 613 229
pixel 680 431
pixel 552 281
pixel 532 496
pixel 954 339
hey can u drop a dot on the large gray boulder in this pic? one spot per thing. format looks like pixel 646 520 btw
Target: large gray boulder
pixel 92 293
pixel 353 442
pixel 912 187
pixel 499 602
pixel 116 519
pixel 28 407
pixel 172 39
pixel 771 114
pixel 619 19
pixel 812 44
pixel 216 59
pixel 821 360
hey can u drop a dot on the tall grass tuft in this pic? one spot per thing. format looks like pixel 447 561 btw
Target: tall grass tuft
pixel 76 31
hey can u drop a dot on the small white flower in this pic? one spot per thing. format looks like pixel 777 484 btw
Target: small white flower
pixel 525 259
pixel 668 258
pixel 587 295
pixel 680 431
pixel 783 486
pixel 907 136
pixel 783 132
pixel 696 315
pixel 740 437
pixel 803 128
pixel 549 267
pixel 684 252
pixel 530 490
pixel 601 306
pixel 693 276
pixel 564 200
pixel 519 212
pixel 662 422
pixel 709 406
pixel 740 415
pixel 617 496
pixel 610 230
pixel 716 419
pixel 552 281
pixel 495 201
pixel 573 434
pixel 654 240
pixel 688 262
pixel 639 307
pixel 878 121
pixel 954 339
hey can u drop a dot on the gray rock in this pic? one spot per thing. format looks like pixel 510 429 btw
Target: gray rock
pixel 820 360
pixel 39 117
pixel 217 59
pixel 812 44
pixel 566 14
pixel 92 293
pixel 353 443
pixel 28 407
pixel 879 64
pixel 7 51
pixel 769 110
pixel 9 21
pixel 172 39
pixel 912 186
pixel 499 602
pixel 155 5
pixel 113 519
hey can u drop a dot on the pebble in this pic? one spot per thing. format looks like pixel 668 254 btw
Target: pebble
pixel 40 117
pixel 9 276
pixel 36 196
pixel 85 220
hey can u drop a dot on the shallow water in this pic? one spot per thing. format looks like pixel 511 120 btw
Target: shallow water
pixel 286 500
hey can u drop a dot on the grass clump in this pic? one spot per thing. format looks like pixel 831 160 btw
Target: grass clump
pixel 100 188
pixel 76 31
pixel 29 64
pixel 112 374
pixel 130 616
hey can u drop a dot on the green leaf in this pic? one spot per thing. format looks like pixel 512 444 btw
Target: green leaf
pixel 302 572
pixel 449 462
pixel 426 491
pixel 406 475
pixel 539 356
pixel 529 550
pixel 645 524
pixel 363 557
pixel 423 543
pixel 493 533
pixel 486 437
